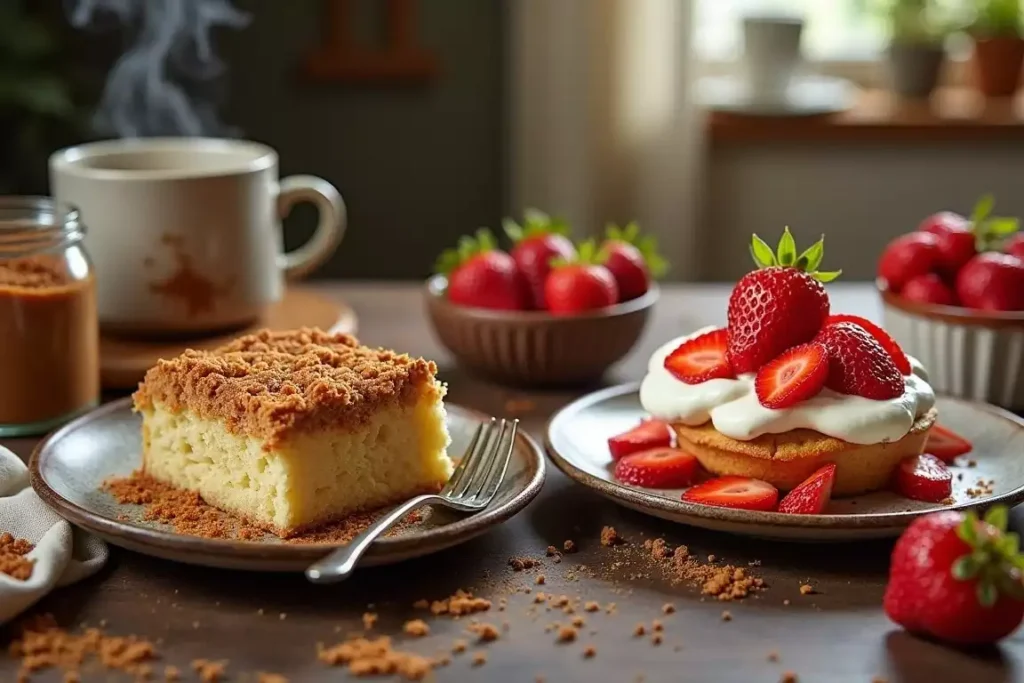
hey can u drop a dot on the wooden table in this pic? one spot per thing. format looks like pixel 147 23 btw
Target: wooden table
pixel 272 622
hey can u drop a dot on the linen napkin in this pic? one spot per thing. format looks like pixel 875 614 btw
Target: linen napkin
pixel 62 553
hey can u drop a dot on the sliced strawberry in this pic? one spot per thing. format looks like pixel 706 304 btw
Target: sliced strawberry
pixel 657 468
pixel 734 492
pixel 796 375
pixel 646 435
pixel 881 336
pixel 945 444
pixel 813 494
pixel 701 358
pixel 924 477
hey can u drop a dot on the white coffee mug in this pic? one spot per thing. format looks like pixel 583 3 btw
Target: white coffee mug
pixel 185 233
pixel 771 56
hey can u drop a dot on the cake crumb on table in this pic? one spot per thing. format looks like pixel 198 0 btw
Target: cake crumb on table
pixel 479 658
pixel 171 674
pixel 422 603
pixel 610 537
pixel 789 677
pixel 639 630
pixel 806 589
pixel 657 626
pixel 552 551
pixel 376 657
pixel 460 603
pixel 589 651
pixel 459 645
pixel 591 606
pixel 773 656
pixel 13 562
pixel 566 634
pixel 540 579
pixel 369 620
pixel 579 622
pixel 416 628
pixel 264 677
pixel 210 671
pixel 485 632
pixel 569 546
pixel 521 563
pixel 668 608
pixel 726 616
pixel 656 639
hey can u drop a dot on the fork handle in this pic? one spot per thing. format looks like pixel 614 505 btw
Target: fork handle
pixel 340 563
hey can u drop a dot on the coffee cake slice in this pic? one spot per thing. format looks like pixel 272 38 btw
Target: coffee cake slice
pixel 291 430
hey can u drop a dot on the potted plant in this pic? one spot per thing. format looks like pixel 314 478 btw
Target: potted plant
pixel 998 46
pixel 916 46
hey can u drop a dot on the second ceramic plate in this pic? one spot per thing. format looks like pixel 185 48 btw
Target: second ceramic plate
pixel 69 467
pixel 577 441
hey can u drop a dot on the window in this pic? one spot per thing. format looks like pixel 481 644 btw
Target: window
pixel 834 30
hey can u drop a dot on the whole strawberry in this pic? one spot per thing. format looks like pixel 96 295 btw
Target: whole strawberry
pixel 958 239
pixel 1015 246
pixel 580 285
pixel 778 306
pixel 481 276
pixel 992 282
pixel 956 578
pixel 633 260
pixel 538 241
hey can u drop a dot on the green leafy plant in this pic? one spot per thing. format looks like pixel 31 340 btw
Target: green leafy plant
pixel 996 18
pixel 36 105
pixel 913 22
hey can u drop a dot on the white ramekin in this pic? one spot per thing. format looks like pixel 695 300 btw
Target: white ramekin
pixel 977 355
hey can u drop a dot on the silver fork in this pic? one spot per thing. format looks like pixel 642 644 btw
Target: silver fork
pixel 471 487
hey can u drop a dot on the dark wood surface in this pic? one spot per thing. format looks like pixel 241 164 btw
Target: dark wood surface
pixel 272 622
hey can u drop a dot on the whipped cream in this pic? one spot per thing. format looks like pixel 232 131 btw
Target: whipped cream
pixel 732 406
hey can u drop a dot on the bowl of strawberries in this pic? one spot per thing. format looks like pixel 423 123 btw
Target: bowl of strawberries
pixel 953 297
pixel 546 311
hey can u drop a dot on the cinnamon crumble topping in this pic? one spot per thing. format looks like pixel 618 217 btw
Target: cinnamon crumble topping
pixel 12 557
pixel 271 385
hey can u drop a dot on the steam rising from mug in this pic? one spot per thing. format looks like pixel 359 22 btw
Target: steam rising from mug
pixel 151 89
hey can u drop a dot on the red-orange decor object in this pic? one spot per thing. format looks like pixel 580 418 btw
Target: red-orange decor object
pixel 400 58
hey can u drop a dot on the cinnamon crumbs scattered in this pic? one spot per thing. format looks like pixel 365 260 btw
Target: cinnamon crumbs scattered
pixel 210 671
pixel 12 557
pixel 462 602
pixel 187 513
pixel 376 657
pixel 610 537
pixel 416 628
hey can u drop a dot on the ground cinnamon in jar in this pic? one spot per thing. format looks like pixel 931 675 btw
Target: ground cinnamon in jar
pixel 49 329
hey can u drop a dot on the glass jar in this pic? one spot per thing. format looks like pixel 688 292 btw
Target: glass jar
pixel 49 329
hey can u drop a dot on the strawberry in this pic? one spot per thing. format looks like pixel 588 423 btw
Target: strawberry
pixel 881 336
pixel 481 276
pixel 632 259
pixel 646 435
pixel 945 444
pixel 956 578
pixel 795 376
pixel 734 492
pixel 1015 246
pixel 537 242
pixel 813 494
pixel 858 364
pixel 923 477
pixel 907 256
pixel 657 468
pixel 960 240
pixel 992 282
pixel 928 289
pixel 580 284
pixel 944 221
pixel 778 306
pixel 701 358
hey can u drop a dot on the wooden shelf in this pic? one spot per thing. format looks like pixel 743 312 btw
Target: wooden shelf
pixel 952 115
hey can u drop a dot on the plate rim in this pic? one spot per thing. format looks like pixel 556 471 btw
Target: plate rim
pixel 621 493
pixel 380 551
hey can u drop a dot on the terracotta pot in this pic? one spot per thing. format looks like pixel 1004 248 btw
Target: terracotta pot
pixel 997 64
pixel 915 68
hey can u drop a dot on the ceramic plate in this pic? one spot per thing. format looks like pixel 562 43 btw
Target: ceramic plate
pixel 69 467
pixel 577 441
pixel 808 95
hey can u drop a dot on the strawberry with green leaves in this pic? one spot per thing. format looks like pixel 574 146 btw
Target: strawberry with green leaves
pixel 537 242
pixel 482 276
pixel 958 239
pixel 633 259
pixel 957 578
pixel 580 284
pixel 778 306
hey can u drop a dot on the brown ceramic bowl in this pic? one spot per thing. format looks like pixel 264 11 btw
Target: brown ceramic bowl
pixel 536 348
pixel 976 355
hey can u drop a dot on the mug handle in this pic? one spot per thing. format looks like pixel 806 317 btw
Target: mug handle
pixel 329 231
